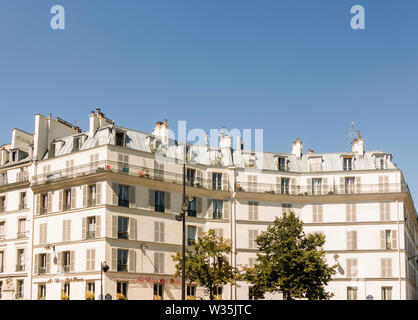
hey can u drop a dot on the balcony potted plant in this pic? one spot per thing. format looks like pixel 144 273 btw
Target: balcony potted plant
pixel 120 296
pixel 157 297
pixel 89 295
pixel 64 297
pixel 191 298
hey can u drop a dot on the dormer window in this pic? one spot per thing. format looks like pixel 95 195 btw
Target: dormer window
pixel 77 144
pixel 52 150
pixel 251 160
pixel 120 138
pixel 14 156
pixel 281 164
pixel 315 164
pixel 347 163
pixel 380 162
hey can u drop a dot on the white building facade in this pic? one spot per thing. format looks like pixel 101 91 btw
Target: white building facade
pixel 71 200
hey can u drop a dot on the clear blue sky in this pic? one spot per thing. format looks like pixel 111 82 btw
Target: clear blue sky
pixel 294 68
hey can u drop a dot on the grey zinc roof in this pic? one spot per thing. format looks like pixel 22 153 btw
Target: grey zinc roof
pixel 205 156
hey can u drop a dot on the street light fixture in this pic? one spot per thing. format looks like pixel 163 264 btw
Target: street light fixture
pixel 103 269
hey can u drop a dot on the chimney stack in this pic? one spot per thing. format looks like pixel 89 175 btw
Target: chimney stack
pixel 297 148
pixel 357 146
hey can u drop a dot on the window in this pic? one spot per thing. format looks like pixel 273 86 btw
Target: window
pixel 90 288
pixel 14 156
pixel 44 203
pixel 191 235
pixel 77 144
pixel 251 262
pixel 252 236
pixel 158 262
pixel 120 139
pixel 22 203
pixel 351 293
pixel 191 291
pixel 384 211
pixel 21 228
pixel 123 228
pixel 316 186
pixel 190 176
pixel 281 164
pixel 317 213
pixel 351 240
pixel 284 185
pixel 3 178
pixel 351 215
pixel 66 261
pixel 159 201
pixel 2 203
pixel 122 288
pixel 216 181
pixel 91 195
pixel 386 267
pixel 123 196
pixel 389 239
pixel 159 231
pixel 66 290
pixel 351 268
pixel 123 260
pixel 2 230
pixel 349 185
pixel 191 210
pixel 41 291
pixel 217 209
pixel 252 210
pixel 19 289
pixel 42 263
pixel 158 291
pixel 1 261
pixel 91 228
pixel 1 288
pixel 380 162
pixel 315 164
pixel 20 260
pixel 348 164
pixel 252 184
pixel 51 153
pixel 386 293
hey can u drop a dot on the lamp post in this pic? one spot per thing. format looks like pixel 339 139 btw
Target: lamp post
pixel 182 217
pixel 103 268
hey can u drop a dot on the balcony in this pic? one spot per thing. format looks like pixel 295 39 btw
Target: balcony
pixel 321 190
pixel 22 177
pixel 42 270
pixel 124 169
pixel 91 235
pixel 21 235
pixel 3 180
pixel 122 267
pixel 123 235
pixel 65 269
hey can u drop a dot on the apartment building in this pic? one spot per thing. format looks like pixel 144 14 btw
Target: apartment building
pixel 72 200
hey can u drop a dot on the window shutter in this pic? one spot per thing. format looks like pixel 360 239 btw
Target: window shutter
pixel 36 265
pixel 358 184
pixel 156 262
pixel 132 229
pixel 226 209
pixel 93 259
pixel 68 230
pixel 98 193
pixel 354 240
pixel 387 211
pixel 38 204
pixel 348 212
pixel 167 200
pixel 382 239
pixel 84 196
pixel 64 230
pixel 156 231
pixel 320 211
pixel 210 207
pixel 114 194
pixel 132 196
pixel 382 211
pixel 225 181
pixel 380 183
pixel 354 268
pixel 45 233
pixel 250 210
pixel 83 229
pixel 162 231
pixel 199 178
pixel 114 226
pixel 388 267
pixel 199 207
pixel 114 259
pixel 341 188
pixel 383 267
pixel 41 231
pixel 394 239
pixel 348 235
pixel 60 201
pixel 151 197
pixel 88 266
pixel 293 186
pixel 48 263
pixel 72 261
pixel 278 185
pixel 199 232
pixel 98 227
pixel 315 213
pixel 348 266
pixel 209 175
pixel 73 198
pixel 353 212
pixel 49 202
pixel 325 186
pixel 309 186
pixel 132 261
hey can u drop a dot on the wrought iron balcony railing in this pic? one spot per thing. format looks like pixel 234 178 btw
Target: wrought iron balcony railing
pixel 126 169
pixel 122 267
pixel 20 267
pixel 321 190
pixel 91 235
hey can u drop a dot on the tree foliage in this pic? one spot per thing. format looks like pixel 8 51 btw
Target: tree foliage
pixel 207 263
pixel 291 262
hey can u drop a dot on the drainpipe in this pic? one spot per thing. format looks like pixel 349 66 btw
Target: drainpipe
pixel 233 288
pixel 32 233
pixel 399 250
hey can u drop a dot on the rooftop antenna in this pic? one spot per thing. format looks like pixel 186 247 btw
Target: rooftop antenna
pixel 352 134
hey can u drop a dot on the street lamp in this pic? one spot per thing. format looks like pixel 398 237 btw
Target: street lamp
pixel 103 268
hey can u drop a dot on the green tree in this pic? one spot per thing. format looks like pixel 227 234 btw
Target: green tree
pixel 291 262
pixel 207 263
